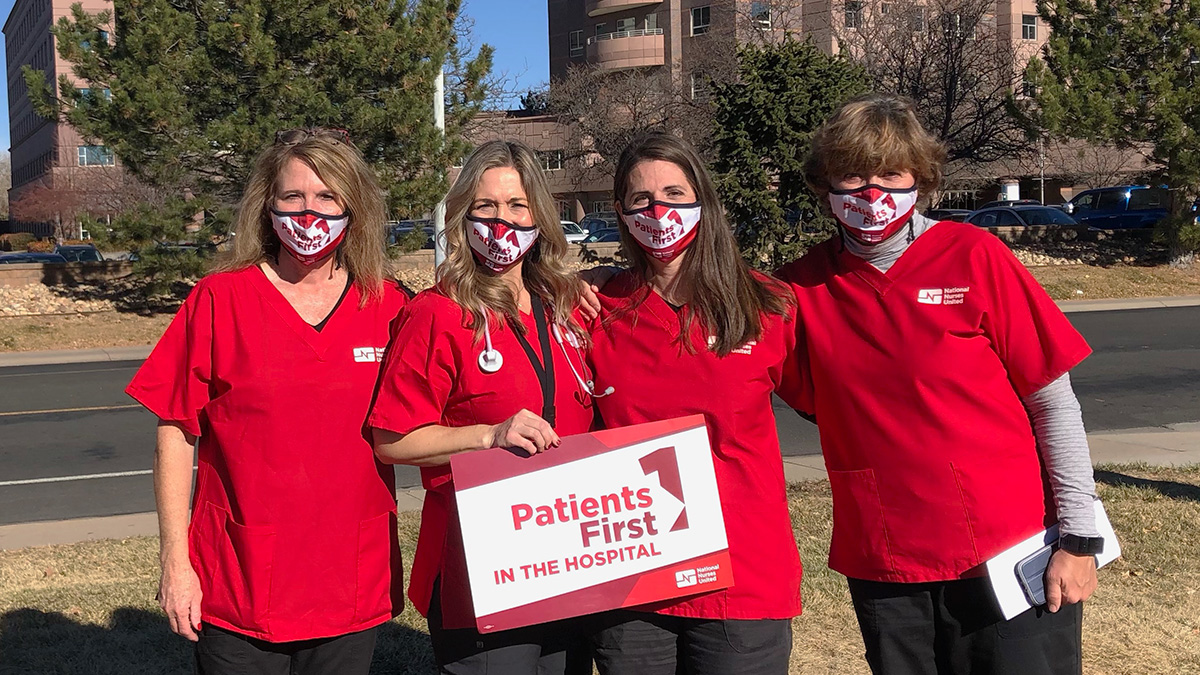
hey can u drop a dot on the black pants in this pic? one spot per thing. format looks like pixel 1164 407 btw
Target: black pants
pixel 638 643
pixel 955 627
pixel 557 648
pixel 223 652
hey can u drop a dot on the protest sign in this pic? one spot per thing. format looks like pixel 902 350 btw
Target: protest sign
pixel 615 518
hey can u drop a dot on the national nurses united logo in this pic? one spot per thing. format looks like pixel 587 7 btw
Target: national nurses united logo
pixel 943 296
pixel 368 354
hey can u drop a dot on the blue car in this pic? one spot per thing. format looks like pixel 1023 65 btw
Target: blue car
pixel 1120 208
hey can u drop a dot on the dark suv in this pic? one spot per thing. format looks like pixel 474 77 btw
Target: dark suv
pixel 1119 208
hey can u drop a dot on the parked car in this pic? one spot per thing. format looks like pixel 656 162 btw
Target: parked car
pixel 79 253
pixel 1121 207
pixel 403 228
pixel 609 235
pixel 1021 215
pixel 1008 202
pixel 599 220
pixel 574 232
pixel 23 257
pixel 957 215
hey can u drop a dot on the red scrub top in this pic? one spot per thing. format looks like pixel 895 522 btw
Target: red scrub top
pixel 916 377
pixel 293 529
pixel 432 376
pixel 638 353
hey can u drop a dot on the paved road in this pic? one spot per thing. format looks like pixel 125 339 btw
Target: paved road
pixel 1145 372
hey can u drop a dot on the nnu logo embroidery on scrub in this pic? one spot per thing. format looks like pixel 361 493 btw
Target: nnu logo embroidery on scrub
pixel 943 296
pixel 368 354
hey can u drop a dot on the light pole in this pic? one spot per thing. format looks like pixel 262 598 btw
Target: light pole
pixel 439 211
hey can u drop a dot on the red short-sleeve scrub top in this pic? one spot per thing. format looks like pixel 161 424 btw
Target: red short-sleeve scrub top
pixel 637 351
pixel 293 529
pixel 432 376
pixel 916 377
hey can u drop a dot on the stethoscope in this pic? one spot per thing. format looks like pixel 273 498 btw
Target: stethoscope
pixel 491 360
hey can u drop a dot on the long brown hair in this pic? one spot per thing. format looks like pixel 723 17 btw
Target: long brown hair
pixel 720 290
pixel 363 252
pixel 544 269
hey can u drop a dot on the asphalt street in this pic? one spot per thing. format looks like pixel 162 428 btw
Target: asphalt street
pixel 73 445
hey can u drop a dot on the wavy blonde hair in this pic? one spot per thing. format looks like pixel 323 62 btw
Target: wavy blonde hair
pixel 363 252
pixel 544 271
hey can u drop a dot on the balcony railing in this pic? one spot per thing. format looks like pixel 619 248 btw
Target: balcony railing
pixel 617 35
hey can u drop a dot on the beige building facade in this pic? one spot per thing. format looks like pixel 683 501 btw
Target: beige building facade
pixel 49 158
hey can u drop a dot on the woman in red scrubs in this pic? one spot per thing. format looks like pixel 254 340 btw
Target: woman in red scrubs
pixel 690 329
pixel 936 368
pixel 291 556
pixel 490 356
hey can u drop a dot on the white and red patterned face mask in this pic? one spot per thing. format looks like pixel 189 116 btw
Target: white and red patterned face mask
pixel 663 230
pixel 498 243
pixel 308 235
pixel 872 213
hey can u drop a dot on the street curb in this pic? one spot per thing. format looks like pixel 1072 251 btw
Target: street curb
pixel 139 353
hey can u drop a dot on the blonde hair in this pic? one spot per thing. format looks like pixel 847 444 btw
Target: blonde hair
pixel 721 291
pixel 871 134
pixel 474 287
pixel 363 252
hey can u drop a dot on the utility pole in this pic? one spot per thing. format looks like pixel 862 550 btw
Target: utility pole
pixel 1042 168
pixel 439 211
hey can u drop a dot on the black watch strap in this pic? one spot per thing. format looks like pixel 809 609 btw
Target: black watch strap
pixel 1073 543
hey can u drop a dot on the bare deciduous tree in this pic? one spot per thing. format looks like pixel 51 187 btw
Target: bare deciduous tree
pixel 948 56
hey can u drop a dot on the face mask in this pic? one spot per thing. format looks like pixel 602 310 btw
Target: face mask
pixel 872 213
pixel 309 236
pixel 499 244
pixel 663 230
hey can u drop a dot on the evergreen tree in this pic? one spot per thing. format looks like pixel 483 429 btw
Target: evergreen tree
pixel 193 89
pixel 1123 72
pixel 764 122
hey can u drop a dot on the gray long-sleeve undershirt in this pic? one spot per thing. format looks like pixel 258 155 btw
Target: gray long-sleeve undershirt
pixel 1053 411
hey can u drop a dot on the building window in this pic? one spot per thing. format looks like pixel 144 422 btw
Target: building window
pixel 699 86
pixel 760 13
pixel 599 206
pixel 1028 26
pixel 652 22
pixel 916 21
pixel 95 155
pixel 626 25
pixel 701 18
pixel 575 40
pixel 854 13
pixel 601 29
pixel 1028 89
pixel 552 160
pixel 955 25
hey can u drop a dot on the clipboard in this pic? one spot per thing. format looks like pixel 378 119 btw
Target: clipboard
pixel 1005 569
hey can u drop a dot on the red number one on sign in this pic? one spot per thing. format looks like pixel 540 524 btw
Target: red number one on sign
pixel 664 463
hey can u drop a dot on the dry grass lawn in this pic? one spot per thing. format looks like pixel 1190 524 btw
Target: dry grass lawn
pixel 88 608
pixel 1117 281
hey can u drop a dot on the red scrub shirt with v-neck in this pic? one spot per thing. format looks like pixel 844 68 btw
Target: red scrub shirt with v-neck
pixel 916 378
pixel 293 529
pixel 432 376
pixel 637 351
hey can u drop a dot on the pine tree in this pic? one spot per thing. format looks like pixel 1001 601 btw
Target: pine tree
pixel 764 122
pixel 193 89
pixel 1123 72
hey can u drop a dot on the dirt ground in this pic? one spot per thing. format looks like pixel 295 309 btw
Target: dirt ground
pixel 89 608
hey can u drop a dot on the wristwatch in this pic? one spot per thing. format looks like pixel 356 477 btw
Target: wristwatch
pixel 1073 543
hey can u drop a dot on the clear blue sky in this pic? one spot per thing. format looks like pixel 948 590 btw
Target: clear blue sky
pixel 516 28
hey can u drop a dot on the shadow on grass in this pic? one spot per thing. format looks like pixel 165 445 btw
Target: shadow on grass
pixel 139 642
pixel 1166 488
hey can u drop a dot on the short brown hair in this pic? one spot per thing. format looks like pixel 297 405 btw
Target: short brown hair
pixel 363 252
pixel 871 134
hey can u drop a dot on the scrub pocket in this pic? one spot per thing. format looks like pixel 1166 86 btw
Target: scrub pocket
pixel 376 541
pixel 860 541
pixel 236 566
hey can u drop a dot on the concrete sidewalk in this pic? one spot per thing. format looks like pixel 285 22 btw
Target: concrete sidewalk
pixel 139 353
pixel 1175 445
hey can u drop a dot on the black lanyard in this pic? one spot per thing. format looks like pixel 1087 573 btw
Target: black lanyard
pixel 544 369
